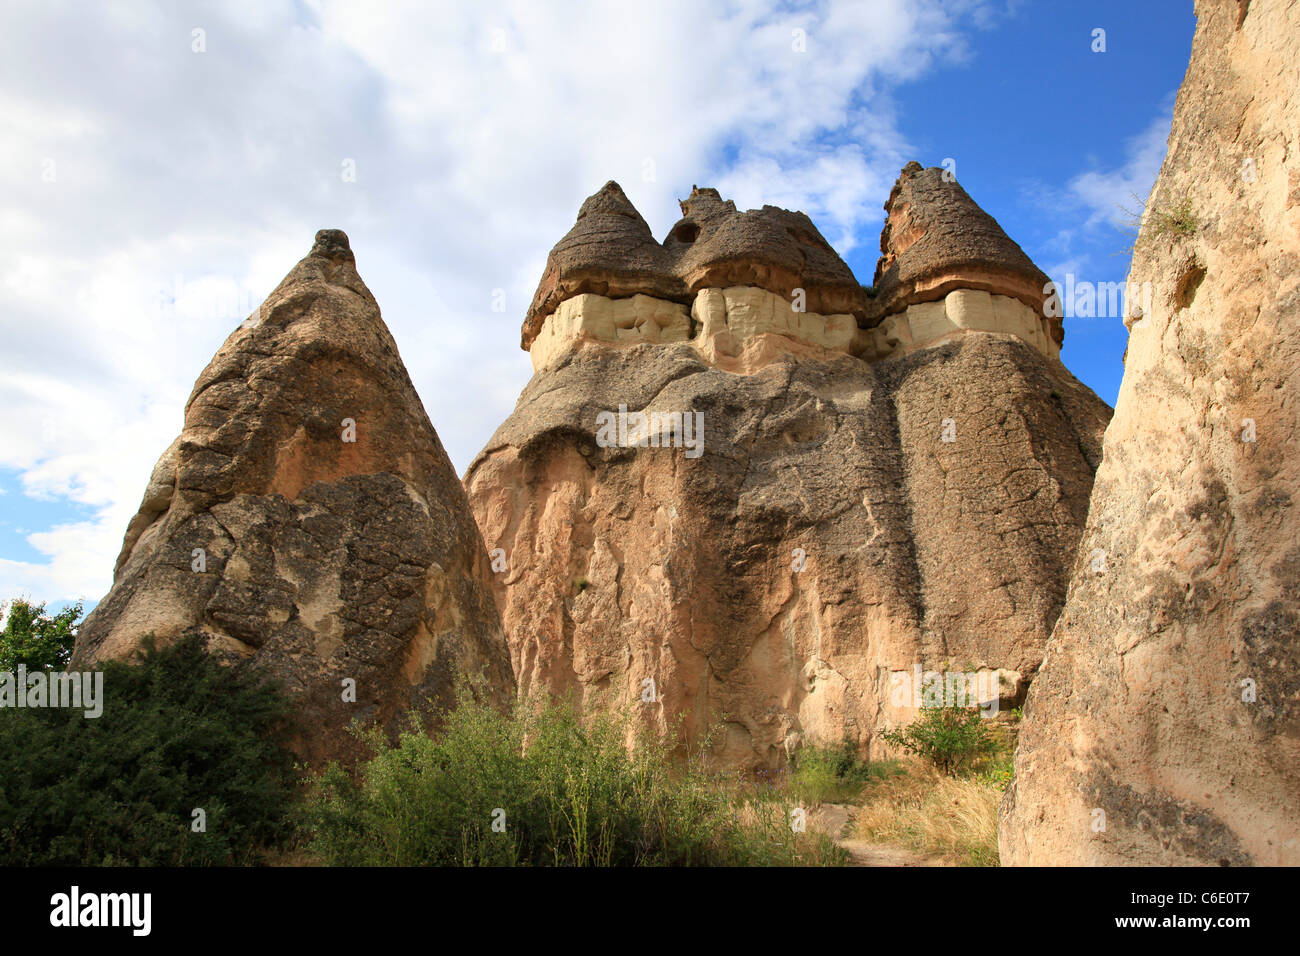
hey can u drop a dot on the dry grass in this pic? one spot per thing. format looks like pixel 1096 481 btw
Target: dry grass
pixel 1171 220
pixel 953 817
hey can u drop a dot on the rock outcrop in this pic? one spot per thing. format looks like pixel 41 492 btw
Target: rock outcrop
pixel 807 520
pixel 1164 727
pixel 308 519
pixel 946 265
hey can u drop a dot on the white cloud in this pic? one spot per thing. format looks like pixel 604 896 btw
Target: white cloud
pixel 75 555
pixel 185 185
pixel 1112 195
pixel 1100 204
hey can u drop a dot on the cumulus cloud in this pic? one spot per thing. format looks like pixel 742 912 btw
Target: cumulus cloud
pixel 166 164
pixel 1101 204
pixel 1113 196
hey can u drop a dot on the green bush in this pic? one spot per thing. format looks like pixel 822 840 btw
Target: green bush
pixel 178 732
pixel 562 791
pixel 950 737
pixel 1171 220
pixel 833 774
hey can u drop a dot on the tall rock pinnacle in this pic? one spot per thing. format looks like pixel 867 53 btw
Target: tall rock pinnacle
pixel 308 518
pixel 1164 728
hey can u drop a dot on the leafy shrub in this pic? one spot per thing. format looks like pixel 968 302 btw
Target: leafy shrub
pixel 1170 220
pixel 178 731
pixel 562 791
pixel 36 639
pixel 950 737
pixel 828 774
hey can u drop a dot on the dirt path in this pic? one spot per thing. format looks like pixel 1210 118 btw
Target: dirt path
pixel 834 820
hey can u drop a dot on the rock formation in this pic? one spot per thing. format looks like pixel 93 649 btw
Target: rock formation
pixel 816 509
pixel 946 265
pixel 307 518
pixel 611 253
pixel 1164 727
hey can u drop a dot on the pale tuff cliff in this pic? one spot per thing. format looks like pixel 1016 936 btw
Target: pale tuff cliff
pixel 883 484
pixel 1164 727
pixel 308 519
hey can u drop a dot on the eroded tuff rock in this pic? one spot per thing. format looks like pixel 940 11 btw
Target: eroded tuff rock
pixel 937 240
pixel 843 522
pixel 1168 707
pixel 281 541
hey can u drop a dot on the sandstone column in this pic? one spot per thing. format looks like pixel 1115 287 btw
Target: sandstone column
pixel 1164 727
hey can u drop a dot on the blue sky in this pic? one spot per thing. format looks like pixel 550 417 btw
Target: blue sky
pixel 1030 111
pixel 152 191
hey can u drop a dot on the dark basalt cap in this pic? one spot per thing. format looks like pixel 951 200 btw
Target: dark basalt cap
pixel 714 245
pixel 937 239
pixel 610 251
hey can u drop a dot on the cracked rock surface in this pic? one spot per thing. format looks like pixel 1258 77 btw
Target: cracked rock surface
pixel 628 564
pixel 286 544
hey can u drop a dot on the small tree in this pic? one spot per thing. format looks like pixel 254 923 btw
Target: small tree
pixel 179 732
pixel 950 737
pixel 40 641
